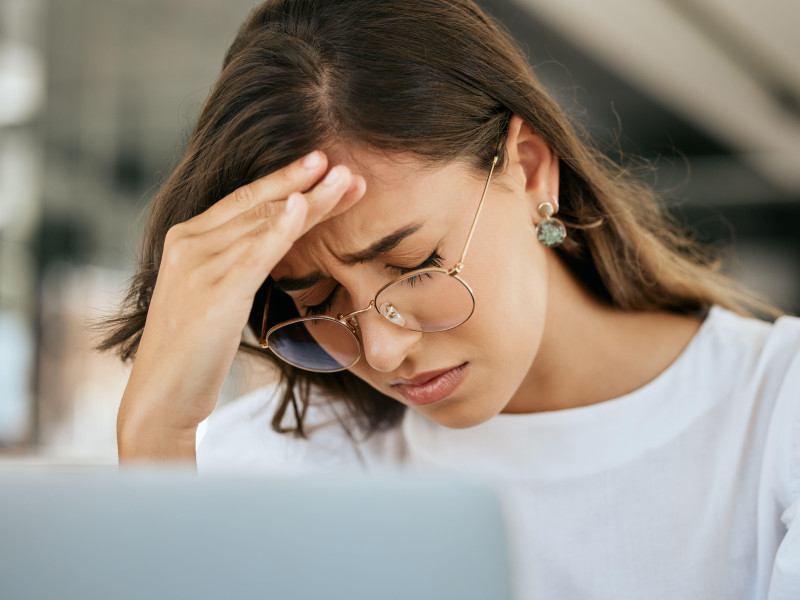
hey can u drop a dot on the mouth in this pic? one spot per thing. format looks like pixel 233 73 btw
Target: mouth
pixel 430 387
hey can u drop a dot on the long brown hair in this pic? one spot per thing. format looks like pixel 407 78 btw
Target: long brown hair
pixel 437 78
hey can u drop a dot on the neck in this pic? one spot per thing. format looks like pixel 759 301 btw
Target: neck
pixel 591 352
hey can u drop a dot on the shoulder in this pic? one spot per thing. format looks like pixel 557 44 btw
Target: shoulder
pixel 743 378
pixel 239 436
pixel 745 347
pixel 749 358
pixel 739 363
pixel 764 368
pixel 781 358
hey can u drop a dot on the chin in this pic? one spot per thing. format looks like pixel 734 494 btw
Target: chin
pixel 459 414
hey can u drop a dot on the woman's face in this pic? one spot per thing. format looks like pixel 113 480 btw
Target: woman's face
pixel 491 353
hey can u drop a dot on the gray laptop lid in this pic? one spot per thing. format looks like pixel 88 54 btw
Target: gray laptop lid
pixel 148 534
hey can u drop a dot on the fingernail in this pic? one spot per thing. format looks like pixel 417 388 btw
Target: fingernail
pixel 333 175
pixel 312 160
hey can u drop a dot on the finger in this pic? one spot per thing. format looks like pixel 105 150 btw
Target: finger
pixel 247 263
pixel 319 200
pixel 299 175
pixel 264 215
pixel 347 193
pixel 252 256
pixel 358 186
pixel 327 194
pixel 257 252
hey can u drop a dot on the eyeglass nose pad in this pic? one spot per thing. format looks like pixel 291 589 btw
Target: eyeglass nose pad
pixel 391 314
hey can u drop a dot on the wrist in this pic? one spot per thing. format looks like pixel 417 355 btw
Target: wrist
pixel 143 437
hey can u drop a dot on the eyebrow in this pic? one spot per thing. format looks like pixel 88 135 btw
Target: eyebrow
pixel 382 246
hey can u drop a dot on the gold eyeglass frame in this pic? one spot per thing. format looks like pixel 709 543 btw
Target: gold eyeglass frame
pixel 348 320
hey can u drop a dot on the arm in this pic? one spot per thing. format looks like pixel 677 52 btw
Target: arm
pixel 211 268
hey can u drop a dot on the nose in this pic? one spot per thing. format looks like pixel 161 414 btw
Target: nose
pixel 385 344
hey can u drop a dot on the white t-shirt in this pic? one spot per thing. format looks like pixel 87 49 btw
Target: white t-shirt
pixel 687 488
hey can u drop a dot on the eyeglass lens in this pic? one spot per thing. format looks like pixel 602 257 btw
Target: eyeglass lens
pixel 428 301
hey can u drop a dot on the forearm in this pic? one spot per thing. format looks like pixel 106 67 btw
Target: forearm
pixel 146 438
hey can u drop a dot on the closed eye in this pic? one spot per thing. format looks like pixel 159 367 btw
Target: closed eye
pixel 434 260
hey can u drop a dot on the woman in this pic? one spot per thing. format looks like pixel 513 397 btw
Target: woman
pixel 489 295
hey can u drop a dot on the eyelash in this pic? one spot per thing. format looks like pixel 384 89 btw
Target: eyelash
pixel 434 260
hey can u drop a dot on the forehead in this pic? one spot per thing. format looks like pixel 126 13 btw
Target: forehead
pixel 400 190
pixel 397 184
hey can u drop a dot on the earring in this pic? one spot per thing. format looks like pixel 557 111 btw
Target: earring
pixel 550 232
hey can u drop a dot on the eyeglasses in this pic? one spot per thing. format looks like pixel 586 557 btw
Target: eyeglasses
pixel 426 300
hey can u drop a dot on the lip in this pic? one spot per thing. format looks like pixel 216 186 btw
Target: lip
pixel 422 377
pixel 432 386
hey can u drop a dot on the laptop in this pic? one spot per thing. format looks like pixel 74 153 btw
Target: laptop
pixel 152 533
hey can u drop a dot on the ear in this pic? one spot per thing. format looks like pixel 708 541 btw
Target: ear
pixel 531 163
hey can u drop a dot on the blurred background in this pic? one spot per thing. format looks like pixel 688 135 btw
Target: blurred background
pixel 97 99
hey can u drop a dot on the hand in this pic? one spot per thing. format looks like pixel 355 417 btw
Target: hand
pixel 211 267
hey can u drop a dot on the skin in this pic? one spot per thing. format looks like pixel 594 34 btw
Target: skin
pixel 211 268
pixel 537 340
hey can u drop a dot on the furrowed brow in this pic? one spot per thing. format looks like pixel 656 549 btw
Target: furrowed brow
pixel 385 244
pixel 295 284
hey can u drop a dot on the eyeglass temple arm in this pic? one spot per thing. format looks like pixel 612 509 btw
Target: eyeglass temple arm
pixel 263 339
pixel 460 264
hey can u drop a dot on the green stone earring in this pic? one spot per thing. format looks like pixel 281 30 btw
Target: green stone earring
pixel 550 232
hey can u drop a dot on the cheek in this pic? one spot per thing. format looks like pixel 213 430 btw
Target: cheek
pixel 510 283
pixel 507 269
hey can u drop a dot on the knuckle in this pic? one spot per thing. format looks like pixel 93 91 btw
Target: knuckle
pixel 174 233
pixel 174 243
pixel 269 230
pixel 244 196
pixel 177 251
pixel 266 210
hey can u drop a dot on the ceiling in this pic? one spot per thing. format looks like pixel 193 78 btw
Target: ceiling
pixel 728 68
